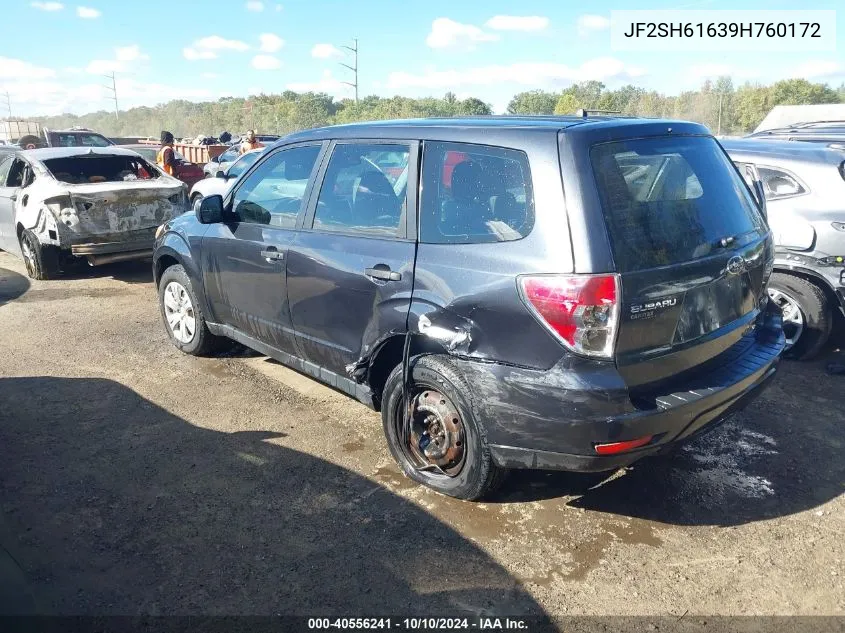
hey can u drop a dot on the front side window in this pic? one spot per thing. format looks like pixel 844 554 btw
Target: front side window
pixel 474 194
pixel 274 193
pixel 778 183
pixel 670 199
pixel 364 190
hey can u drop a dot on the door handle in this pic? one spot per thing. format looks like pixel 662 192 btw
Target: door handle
pixel 272 255
pixel 13 197
pixel 383 273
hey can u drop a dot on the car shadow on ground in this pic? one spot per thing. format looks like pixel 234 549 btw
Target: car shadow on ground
pixel 116 506
pixel 781 456
pixel 12 285
pixel 131 272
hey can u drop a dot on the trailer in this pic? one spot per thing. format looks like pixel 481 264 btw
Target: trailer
pixel 198 154
pixel 12 131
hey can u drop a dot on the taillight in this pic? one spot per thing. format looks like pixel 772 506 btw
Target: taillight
pixel 582 311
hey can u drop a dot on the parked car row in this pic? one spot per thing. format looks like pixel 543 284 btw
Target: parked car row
pixel 572 293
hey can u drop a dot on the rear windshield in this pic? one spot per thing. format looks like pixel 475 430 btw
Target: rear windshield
pixel 671 199
pixel 78 170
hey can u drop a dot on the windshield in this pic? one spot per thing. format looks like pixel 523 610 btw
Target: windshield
pixel 242 164
pixel 77 170
pixel 669 200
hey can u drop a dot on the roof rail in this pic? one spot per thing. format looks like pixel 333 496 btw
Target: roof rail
pixel 583 113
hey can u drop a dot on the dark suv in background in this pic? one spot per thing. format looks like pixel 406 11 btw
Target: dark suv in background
pixel 568 293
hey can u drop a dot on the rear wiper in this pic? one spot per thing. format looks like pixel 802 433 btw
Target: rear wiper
pixel 725 241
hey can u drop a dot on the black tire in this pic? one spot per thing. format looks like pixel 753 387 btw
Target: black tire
pixel 815 308
pixel 42 260
pixel 479 475
pixel 203 341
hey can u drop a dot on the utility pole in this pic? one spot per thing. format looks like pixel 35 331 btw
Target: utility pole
pixel 719 125
pixel 113 88
pixel 354 68
pixel 9 104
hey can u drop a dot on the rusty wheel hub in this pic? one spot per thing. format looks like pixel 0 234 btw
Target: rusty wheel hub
pixel 437 435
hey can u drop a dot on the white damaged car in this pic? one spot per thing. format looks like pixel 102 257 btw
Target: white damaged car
pixel 101 204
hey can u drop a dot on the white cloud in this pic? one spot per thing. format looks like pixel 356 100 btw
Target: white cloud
pixel 256 7
pixel 517 23
pixel 328 84
pixel 446 33
pixel 87 13
pixel 217 43
pixel 818 69
pixel 19 69
pixel 266 62
pixel 270 43
pixel 325 51
pixel 590 23
pixel 192 54
pixel 123 55
pixel 129 53
pixel 524 74
pixel 47 6
pixel 103 66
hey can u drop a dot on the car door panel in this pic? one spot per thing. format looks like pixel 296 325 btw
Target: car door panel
pixel 244 259
pixel 350 286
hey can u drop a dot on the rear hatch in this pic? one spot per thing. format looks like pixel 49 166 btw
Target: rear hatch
pixel 110 195
pixel 692 251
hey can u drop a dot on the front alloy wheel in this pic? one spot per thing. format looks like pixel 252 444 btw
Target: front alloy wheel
pixel 179 312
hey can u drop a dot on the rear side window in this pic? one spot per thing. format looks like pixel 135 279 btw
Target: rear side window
pixel 474 194
pixel 93 168
pixel 669 200
pixel 779 183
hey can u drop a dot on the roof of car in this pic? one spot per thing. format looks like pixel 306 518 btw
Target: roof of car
pixel 495 123
pixel 48 153
pixel 782 150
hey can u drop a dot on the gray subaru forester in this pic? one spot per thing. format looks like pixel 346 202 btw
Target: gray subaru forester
pixel 558 293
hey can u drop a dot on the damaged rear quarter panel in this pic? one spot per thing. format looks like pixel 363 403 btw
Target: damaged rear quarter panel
pixel 106 211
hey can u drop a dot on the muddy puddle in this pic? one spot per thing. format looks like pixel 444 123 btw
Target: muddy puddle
pixel 567 542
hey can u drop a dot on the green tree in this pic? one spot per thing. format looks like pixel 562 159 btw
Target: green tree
pixel 801 91
pixel 533 102
pixel 567 103
pixel 474 107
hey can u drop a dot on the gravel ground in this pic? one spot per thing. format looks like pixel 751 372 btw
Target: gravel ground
pixel 137 480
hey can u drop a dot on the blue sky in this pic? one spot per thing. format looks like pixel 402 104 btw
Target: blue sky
pixel 200 50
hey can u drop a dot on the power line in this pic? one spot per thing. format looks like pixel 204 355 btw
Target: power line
pixel 113 88
pixel 354 68
pixel 9 104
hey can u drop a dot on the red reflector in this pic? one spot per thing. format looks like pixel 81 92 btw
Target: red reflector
pixel 621 447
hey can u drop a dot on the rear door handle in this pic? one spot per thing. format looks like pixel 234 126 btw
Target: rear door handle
pixel 272 255
pixel 383 273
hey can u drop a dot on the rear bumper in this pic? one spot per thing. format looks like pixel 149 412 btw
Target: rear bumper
pixel 568 415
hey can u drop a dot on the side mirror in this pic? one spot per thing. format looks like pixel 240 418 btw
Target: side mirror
pixel 210 210
pixel 215 159
pixel 220 174
pixel 760 193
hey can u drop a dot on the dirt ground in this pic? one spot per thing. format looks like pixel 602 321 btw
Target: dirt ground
pixel 138 480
